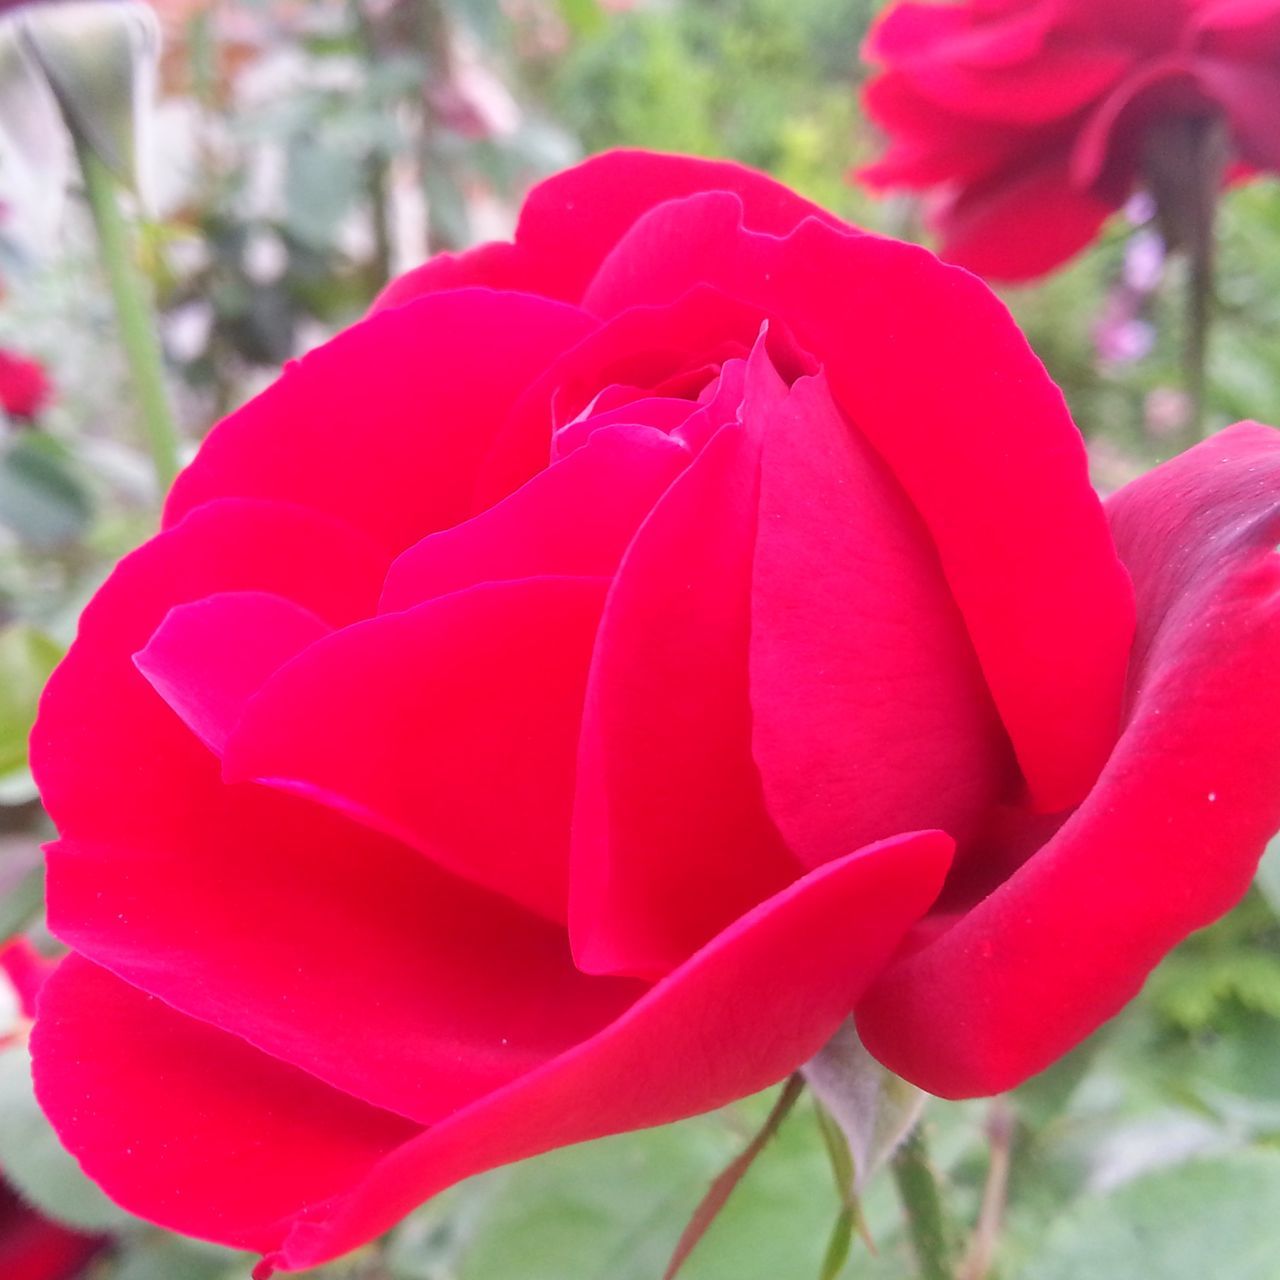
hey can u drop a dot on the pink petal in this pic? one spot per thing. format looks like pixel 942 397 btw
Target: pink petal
pixel 871 713
pixel 409 400
pixel 452 726
pixel 1168 839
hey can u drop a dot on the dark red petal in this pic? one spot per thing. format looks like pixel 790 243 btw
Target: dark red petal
pixel 671 839
pixel 931 368
pixel 452 726
pixel 744 1012
pixel 1170 836
pixel 574 518
pixel 188 1126
pixel 1052 85
pixel 1022 223
pixel 208 658
pixel 870 711
pixel 386 425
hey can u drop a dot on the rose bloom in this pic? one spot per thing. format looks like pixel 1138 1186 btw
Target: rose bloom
pixel 24 386
pixel 557 704
pixel 31 1246
pixel 1030 121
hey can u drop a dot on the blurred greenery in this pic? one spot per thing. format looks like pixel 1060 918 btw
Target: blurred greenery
pixel 305 151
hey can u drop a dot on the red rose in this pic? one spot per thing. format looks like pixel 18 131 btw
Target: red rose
pixel 24 386
pixel 541 715
pixel 1031 121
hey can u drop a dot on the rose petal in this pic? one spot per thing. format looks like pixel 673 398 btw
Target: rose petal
pixel 671 839
pixel 97 700
pixel 570 221
pixel 1168 839
pixel 231 1145
pixel 574 518
pixel 435 381
pixel 238 1147
pixel 870 711
pixel 928 364
pixel 984 228
pixel 452 726
pixel 208 658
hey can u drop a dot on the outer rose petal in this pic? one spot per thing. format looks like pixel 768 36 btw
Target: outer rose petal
pixel 570 222
pixel 452 726
pixel 238 1147
pixel 231 1145
pixel 931 368
pixel 394 448
pixel 89 785
pixel 151 830
pixel 1168 839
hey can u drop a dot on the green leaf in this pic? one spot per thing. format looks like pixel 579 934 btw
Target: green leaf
pixel 27 656
pixel 1212 1217
pixel 41 498
pixel 35 1162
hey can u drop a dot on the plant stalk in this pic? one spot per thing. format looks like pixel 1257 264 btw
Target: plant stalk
pixel 133 313
pixel 918 1190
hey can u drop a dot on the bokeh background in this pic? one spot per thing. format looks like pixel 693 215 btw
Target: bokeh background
pixel 299 153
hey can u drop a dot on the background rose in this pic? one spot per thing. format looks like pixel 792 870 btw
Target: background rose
pixel 424 806
pixel 1032 120
pixel 31 1246
pixel 24 387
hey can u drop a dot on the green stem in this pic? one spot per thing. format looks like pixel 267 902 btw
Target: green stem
pixel 926 1222
pixel 133 313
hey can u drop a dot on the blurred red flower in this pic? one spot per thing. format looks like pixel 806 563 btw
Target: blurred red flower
pixel 24 386
pixel 31 1246
pixel 1030 121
